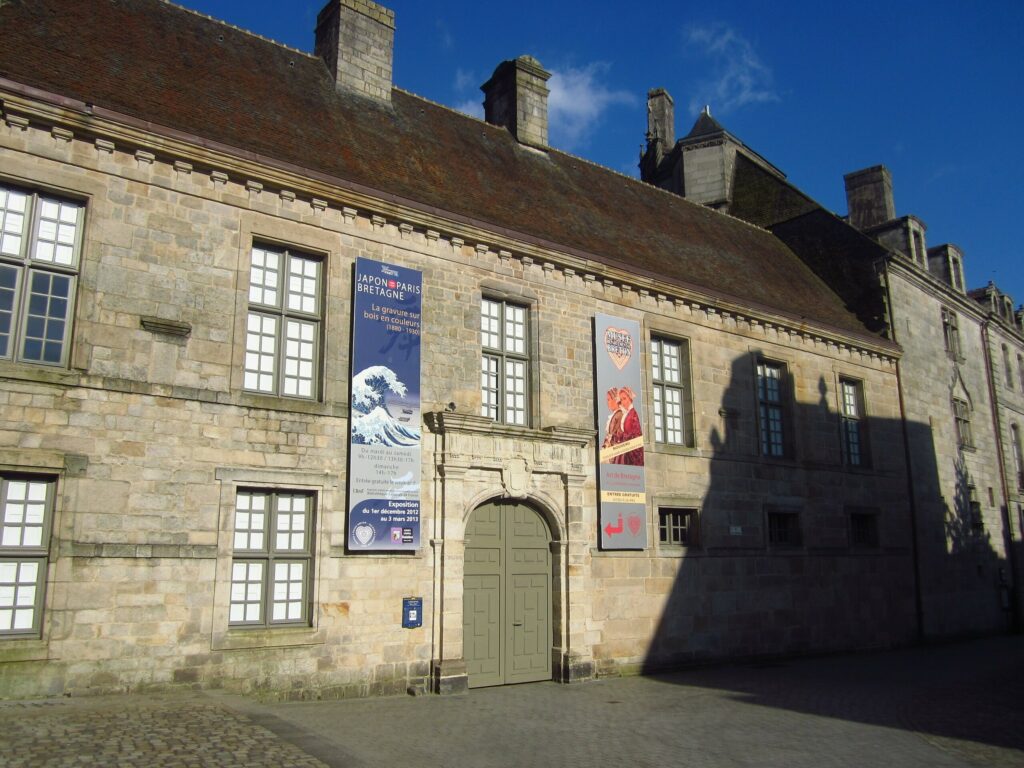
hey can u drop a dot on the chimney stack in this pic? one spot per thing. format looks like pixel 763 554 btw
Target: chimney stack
pixel 869 197
pixel 661 119
pixel 356 38
pixel 516 97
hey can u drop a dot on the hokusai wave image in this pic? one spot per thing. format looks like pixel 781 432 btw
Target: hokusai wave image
pixel 372 421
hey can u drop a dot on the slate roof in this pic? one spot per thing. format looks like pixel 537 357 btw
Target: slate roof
pixel 175 69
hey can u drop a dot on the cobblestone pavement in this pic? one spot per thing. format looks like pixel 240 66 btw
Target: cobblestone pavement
pixel 953 706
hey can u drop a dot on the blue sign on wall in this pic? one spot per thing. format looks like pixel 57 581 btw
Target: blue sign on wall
pixel 384 445
pixel 412 612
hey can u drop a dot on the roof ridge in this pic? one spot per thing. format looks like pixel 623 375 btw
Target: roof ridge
pixel 229 25
pixel 589 162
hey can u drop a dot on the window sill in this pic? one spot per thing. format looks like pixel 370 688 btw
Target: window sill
pixel 677 550
pixel 238 639
pixel 24 649
pixel 674 449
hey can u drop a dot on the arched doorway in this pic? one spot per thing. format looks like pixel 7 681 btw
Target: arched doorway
pixel 506 604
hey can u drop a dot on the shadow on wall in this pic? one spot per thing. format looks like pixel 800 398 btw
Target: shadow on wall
pixel 805 553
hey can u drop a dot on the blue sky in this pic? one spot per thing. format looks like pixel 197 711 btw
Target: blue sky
pixel 933 90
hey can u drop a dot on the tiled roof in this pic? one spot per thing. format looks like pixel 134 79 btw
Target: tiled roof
pixel 176 69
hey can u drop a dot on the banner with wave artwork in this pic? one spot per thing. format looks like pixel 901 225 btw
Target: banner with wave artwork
pixel 385 424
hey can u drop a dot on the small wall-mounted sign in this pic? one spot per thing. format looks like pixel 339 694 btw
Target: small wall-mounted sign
pixel 412 612
pixel 735 530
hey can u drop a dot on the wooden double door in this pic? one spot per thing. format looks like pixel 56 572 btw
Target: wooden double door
pixel 506 609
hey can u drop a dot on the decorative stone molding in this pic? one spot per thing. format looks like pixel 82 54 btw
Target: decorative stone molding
pixel 180 166
pixel 61 134
pixel 218 177
pixel 142 157
pixel 318 205
pixel 102 145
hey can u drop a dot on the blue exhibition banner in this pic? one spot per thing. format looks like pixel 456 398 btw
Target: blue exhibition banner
pixel 384 445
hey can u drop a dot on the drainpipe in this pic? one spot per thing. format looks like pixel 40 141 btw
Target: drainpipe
pixel 915 553
pixel 1011 557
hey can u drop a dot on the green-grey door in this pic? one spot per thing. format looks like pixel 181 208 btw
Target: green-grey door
pixel 506 614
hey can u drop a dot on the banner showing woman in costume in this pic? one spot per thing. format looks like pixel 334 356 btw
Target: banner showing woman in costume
pixel 622 508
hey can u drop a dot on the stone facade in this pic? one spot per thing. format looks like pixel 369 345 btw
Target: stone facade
pixel 959 375
pixel 145 435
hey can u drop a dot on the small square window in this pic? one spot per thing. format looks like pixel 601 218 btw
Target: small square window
pixel 784 528
pixel 864 529
pixel 678 527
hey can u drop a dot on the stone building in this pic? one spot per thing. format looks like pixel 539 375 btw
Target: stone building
pixel 177 287
pixel 961 374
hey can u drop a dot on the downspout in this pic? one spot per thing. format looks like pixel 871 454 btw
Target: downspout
pixel 918 600
pixel 1004 508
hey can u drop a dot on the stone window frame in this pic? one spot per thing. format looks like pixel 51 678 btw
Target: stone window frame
pixel 24 267
pixel 283 315
pixel 15 555
pixel 1018 455
pixel 660 385
pixel 499 357
pixel 962 422
pixel 1007 367
pixel 951 334
pixel 853 419
pixel 324 487
pixel 1020 371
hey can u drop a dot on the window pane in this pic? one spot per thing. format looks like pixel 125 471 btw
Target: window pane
pixel 303 278
pixel 490 324
pixel 46 318
pixel 260 345
pixel 56 232
pixel 13 206
pixel 299 355
pixel 264 277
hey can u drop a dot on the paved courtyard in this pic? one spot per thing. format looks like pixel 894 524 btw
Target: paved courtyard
pixel 944 706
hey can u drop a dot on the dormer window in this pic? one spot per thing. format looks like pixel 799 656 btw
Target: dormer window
pixel 956 273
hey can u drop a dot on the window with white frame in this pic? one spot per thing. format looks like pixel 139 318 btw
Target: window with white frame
pixel 27 514
pixel 771 380
pixel 282 340
pixel 40 242
pixel 951 332
pixel 504 364
pixel 854 423
pixel 669 381
pixel 272 563
pixel 962 422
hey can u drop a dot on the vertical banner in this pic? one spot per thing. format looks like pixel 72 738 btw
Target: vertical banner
pixel 622 510
pixel 384 431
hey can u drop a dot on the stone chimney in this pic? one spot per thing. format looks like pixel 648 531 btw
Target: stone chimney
pixel 869 197
pixel 516 97
pixel 661 119
pixel 356 38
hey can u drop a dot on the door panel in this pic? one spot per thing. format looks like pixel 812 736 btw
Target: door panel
pixel 507 596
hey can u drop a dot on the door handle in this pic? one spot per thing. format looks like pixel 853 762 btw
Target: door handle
pixel 517 623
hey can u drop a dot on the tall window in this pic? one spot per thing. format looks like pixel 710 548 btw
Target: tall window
pixel 1007 369
pixel 504 365
pixel 771 408
pixel 1018 458
pixel 951 332
pixel 273 559
pixel 40 240
pixel 1020 371
pixel 855 444
pixel 282 338
pixel 669 365
pixel 962 421
pixel 678 527
pixel 958 274
pixel 27 513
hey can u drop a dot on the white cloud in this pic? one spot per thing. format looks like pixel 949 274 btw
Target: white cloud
pixel 464 80
pixel 738 76
pixel 471 108
pixel 444 35
pixel 577 102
